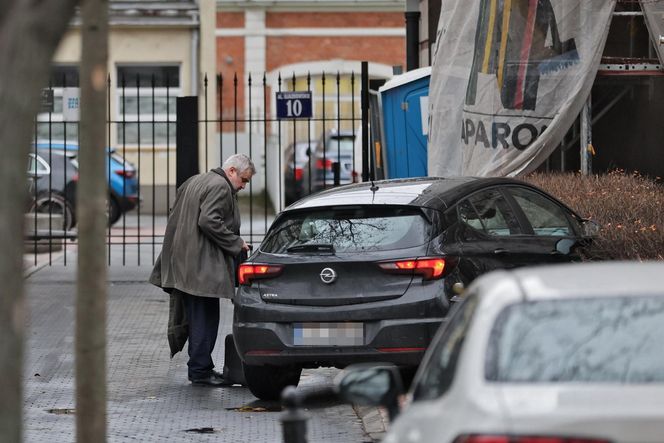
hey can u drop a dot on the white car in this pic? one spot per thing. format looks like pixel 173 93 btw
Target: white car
pixel 551 354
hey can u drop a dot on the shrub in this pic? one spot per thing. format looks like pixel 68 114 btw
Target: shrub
pixel 628 208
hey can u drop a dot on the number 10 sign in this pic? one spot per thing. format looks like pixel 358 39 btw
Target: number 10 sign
pixel 295 104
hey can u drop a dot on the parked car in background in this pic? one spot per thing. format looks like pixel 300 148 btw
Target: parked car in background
pixel 52 179
pixel 122 178
pixel 296 160
pixel 334 151
pixel 365 272
pixel 553 354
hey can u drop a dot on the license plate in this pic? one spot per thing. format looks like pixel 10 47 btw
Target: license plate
pixel 328 334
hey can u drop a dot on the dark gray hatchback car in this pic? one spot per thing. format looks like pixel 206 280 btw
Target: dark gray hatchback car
pixel 364 272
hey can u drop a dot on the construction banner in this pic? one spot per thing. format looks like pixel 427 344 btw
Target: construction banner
pixel 508 79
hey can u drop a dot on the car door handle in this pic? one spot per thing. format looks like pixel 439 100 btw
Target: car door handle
pixel 500 251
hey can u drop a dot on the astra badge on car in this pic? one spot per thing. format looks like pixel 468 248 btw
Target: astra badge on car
pixel 328 276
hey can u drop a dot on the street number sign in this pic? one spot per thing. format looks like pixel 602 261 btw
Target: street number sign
pixel 294 104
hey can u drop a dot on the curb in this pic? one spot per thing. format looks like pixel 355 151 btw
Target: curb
pixel 374 421
pixel 30 268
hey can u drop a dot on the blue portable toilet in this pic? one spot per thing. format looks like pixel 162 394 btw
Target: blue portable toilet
pixel 405 119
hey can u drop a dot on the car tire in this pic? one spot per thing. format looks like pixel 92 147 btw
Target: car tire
pixel 114 211
pixel 267 382
pixel 58 205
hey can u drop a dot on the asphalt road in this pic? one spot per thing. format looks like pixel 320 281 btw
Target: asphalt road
pixel 149 397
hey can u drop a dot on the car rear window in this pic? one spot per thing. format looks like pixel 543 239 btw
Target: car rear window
pixel 349 229
pixel 605 340
pixel 342 144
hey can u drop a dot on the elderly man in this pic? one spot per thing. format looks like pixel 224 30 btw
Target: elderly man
pixel 196 264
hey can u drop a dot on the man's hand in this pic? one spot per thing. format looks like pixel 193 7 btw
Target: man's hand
pixel 245 246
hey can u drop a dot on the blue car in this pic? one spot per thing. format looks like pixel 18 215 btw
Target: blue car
pixel 122 179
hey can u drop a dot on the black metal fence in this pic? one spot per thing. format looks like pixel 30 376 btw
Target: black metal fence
pixel 154 141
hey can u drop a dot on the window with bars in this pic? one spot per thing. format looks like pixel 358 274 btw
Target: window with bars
pixel 146 104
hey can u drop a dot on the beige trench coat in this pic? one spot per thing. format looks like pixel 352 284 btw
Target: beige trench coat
pixel 201 238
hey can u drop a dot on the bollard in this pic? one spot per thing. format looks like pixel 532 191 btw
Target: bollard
pixel 336 171
pixel 293 420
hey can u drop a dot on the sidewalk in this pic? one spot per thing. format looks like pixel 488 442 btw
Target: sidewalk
pixel 149 397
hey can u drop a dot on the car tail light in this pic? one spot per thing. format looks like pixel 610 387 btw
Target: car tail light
pixel 251 271
pixel 481 438
pixel 125 173
pixel 298 174
pixel 430 268
pixel 327 164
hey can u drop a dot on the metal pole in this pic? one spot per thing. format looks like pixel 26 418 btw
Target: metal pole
pixel 365 121
pixel 412 35
pixel 91 288
pixel 586 138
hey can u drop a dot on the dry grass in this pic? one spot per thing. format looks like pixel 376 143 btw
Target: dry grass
pixel 628 207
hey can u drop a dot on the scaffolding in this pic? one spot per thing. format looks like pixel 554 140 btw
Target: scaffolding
pixel 630 59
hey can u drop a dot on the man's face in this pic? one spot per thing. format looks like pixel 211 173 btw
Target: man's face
pixel 239 179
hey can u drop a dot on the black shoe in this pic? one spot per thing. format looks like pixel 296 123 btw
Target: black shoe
pixel 214 380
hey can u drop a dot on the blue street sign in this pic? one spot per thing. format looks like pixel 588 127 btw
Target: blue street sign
pixel 295 104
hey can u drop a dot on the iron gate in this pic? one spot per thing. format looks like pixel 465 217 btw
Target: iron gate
pixel 149 127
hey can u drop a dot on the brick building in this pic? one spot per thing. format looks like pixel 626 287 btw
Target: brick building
pixel 297 38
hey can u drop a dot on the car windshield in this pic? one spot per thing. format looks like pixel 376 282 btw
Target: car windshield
pixel 349 229
pixel 607 340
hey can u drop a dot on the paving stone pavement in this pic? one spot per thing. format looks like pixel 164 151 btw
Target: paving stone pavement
pixel 149 397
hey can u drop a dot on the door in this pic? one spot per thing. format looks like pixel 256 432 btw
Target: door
pixel 552 231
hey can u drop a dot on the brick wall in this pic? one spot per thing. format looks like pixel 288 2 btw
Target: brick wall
pixel 230 61
pixel 288 50
pixel 335 20
pixel 282 50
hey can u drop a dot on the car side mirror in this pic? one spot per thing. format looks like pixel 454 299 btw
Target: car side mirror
pixel 590 228
pixel 371 385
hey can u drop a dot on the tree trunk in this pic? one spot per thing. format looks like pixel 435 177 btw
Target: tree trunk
pixel 92 195
pixel 29 34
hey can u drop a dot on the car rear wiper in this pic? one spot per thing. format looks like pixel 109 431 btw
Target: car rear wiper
pixel 312 247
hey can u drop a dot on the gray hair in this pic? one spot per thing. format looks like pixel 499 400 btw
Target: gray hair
pixel 240 162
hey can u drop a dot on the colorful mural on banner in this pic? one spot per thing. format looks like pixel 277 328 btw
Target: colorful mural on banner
pixel 508 79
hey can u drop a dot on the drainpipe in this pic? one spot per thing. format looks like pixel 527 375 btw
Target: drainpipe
pixel 193 63
pixel 412 34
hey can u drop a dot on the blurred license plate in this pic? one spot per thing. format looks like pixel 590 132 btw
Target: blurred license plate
pixel 328 334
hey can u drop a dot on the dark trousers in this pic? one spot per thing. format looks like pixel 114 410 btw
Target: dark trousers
pixel 203 318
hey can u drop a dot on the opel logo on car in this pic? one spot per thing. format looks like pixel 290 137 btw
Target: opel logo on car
pixel 328 275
